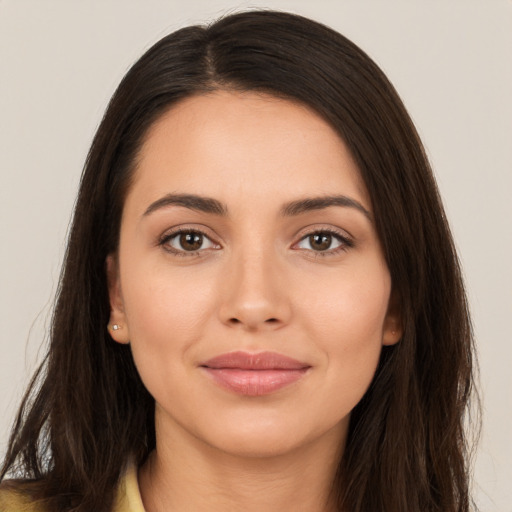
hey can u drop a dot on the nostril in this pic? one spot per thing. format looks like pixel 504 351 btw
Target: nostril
pixel 236 321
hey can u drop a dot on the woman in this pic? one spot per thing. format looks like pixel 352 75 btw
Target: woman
pixel 259 228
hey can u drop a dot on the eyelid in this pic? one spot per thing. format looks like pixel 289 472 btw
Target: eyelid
pixel 175 231
pixel 347 240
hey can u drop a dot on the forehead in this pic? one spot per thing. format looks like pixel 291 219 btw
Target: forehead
pixel 231 144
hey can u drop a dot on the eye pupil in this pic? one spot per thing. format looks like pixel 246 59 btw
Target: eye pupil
pixel 320 241
pixel 191 241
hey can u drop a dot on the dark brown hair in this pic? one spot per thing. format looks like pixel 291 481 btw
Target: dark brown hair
pixel 86 412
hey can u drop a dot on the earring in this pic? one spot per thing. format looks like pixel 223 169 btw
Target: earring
pixel 115 327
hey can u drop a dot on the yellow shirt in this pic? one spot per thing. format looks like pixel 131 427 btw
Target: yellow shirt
pixel 127 497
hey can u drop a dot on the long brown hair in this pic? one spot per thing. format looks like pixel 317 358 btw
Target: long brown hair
pixel 86 412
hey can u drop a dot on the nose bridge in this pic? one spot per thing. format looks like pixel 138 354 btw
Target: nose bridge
pixel 254 295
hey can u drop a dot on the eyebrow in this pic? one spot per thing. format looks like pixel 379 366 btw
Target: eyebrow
pixel 319 203
pixel 215 207
pixel 191 201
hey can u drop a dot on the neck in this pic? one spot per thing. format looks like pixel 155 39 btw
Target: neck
pixel 180 476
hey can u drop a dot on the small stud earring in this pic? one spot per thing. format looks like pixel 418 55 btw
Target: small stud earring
pixel 116 327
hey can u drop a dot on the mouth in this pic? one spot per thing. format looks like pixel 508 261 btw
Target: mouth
pixel 254 374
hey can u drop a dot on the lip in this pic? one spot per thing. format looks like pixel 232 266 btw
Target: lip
pixel 254 374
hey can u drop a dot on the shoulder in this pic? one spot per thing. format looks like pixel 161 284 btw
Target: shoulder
pixel 128 498
pixel 14 496
pixel 12 499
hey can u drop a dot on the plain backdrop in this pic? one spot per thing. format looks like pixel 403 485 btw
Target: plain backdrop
pixel 450 60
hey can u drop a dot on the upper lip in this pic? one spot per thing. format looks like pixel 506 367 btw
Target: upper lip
pixel 255 361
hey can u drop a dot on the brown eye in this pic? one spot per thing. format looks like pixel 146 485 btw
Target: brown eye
pixel 191 241
pixel 324 241
pixel 188 241
pixel 320 241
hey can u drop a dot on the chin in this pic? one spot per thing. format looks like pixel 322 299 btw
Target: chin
pixel 271 439
pixel 259 445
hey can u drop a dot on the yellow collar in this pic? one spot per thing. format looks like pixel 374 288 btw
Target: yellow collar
pixel 128 497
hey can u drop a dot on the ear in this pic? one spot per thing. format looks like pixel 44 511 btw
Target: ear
pixel 117 326
pixel 393 328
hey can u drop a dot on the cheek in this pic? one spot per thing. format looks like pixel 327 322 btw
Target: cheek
pixel 166 314
pixel 351 309
pixel 347 324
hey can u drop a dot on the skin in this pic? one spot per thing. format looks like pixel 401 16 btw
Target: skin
pixel 257 283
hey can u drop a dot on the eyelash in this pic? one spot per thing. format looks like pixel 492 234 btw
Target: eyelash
pixel 165 239
pixel 345 242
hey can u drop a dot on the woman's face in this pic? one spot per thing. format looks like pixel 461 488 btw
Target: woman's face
pixel 250 281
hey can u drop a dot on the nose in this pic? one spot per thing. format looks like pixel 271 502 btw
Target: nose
pixel 255 295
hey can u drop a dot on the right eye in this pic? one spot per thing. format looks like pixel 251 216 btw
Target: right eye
pixel 187 241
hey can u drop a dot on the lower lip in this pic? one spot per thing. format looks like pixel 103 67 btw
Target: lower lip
pixel 254 382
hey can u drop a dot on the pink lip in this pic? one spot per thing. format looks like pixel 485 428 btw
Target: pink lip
pixel 254 374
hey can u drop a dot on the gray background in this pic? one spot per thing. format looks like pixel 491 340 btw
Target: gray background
pixel 450 60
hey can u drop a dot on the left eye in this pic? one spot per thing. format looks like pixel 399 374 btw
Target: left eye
pixel 189 241
pixel 321 242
